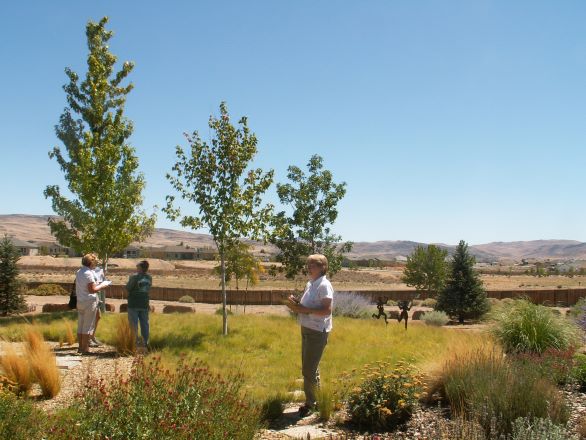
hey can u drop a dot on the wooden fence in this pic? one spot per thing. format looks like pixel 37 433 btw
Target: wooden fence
pixel 550 297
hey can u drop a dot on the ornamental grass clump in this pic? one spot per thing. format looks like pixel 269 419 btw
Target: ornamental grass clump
pixel 124 337
pixel 352 305
pixel 43 364
pixel 387 396
pixel 486 387
pixel 17 369
pixel 186 402
pixel 527 327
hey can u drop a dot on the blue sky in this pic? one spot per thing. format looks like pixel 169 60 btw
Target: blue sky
pixel 448 120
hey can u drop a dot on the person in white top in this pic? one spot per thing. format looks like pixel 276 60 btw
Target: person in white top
pixel 86 288
pixel 315 317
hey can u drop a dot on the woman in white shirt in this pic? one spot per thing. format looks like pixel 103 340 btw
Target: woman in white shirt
pixel 315 318
pixel 86 288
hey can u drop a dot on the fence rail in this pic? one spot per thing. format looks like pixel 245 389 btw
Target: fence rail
pixel 551 297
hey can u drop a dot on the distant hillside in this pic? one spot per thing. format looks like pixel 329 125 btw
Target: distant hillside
pixel 34 227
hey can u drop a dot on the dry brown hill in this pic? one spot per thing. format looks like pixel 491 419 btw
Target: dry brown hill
pixel 34 228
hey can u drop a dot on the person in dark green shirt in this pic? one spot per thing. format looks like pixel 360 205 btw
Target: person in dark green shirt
pixel 138 288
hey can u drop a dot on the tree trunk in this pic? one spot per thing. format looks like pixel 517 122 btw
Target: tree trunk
pixel 224 311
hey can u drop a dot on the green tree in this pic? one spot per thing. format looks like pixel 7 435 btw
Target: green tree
pixel 11 298
pixel 464 295
pixel 313 199
pixel 426 269
pixel 104 215
pixel 217 178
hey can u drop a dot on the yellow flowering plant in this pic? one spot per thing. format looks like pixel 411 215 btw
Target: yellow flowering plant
pixel 386 397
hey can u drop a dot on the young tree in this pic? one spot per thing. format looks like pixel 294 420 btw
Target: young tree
pixel 99 165
pixel 241 264
pixel 11 298
pixel 464 295
pixel 426 269
pixel 314 199
pixel 216 177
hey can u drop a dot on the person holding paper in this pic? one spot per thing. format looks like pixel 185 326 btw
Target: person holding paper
pixel 86 289
pixel 315 317
pixel 100 277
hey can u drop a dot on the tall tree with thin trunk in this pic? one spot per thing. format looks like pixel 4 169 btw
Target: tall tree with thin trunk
pixel 217 178
pixel 11 298
pixel 463 296
pixel 313 199
pixel 104 214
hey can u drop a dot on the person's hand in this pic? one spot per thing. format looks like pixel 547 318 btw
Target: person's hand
pixel 293 299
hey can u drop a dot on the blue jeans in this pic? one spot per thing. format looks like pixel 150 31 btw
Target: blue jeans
pixel 139 315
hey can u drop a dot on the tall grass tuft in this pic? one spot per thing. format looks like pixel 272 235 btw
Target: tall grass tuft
pixel 486 387
pixel 69 335
pixel 43 364
pixel 326 402
pixel 124 337
pixel 16 369
pixel 273 406
pixel 527 327
pixel 352 305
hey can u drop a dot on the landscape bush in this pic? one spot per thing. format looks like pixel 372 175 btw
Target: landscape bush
pixel 185 402
pixel 429 302
pixel 527 428
pixel 17 369
pixel 495 392
pixel 48 290
pixel 352 305
pixel 386 398
pixel 19 418
pixel 435 318
pixel 527 327
pixel 186 299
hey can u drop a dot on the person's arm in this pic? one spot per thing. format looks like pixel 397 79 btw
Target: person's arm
pixel 324 310
pixel 131 285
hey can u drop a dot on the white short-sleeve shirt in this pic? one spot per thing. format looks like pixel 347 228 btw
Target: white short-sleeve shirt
pixel 315 291
pixel 84 277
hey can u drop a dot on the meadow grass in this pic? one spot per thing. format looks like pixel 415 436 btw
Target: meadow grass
pixel 266 349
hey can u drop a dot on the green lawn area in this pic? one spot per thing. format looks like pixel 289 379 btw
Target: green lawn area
pixel 266 349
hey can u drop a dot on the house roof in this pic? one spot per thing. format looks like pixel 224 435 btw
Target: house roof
pixel 23 244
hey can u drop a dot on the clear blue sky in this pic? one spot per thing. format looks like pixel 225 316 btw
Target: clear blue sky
pixel 447 119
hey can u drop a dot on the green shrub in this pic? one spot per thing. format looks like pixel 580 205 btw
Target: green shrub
pixel 527 327
pixel 19 419
pixel 429 302
pixel 48 290
pixel 189 402
pixel 272 408
pixel 386 398
pixel 220 311
pixel 392 303
pixel 525 428
pixel 579 372
pixel 435 318
pixel 495 392
pixel 186 299
pixel 577 309
pixel 352 305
